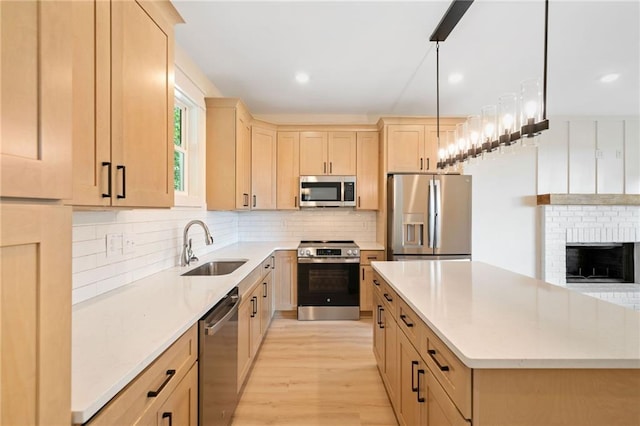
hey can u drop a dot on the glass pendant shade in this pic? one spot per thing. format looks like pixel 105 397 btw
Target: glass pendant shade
pixel 473 128
pixel 507 118
pixel 462 140
pixel 530 102
pixel 488 118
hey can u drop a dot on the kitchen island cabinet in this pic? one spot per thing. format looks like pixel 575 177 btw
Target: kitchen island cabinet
pixel 483 345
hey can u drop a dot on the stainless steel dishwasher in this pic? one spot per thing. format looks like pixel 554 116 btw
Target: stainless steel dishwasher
pixel 218 362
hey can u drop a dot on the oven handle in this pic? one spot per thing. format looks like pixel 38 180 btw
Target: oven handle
pixel 329 260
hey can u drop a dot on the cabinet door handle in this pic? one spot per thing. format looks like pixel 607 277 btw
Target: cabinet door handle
pixel 404 320
pixel 359 201
pixel 324 169
pixel 264 290
pixel 108 193
pixel 253 307
pixel 414 388
pixel 362 274
pixel 245 200
pixel 420 399
pixel 330 167
pixel 376 282
pixel 381 323
pixel 170 415
pixel 432 354
pixel 124 181
pixel 420 163
pixel 295 201
pixel 153 394
pixel 428 166
pixel 378 314
pixel 389 298
pixel 254 200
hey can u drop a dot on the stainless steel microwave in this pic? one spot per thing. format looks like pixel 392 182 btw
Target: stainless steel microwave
pixel 327 191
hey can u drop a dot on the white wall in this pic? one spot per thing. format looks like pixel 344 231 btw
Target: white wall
pixel 505 215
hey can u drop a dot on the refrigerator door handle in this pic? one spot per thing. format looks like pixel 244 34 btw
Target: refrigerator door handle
pixel 431 214
pixel 438 207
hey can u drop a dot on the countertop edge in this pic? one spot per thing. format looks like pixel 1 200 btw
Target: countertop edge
pixel 566 363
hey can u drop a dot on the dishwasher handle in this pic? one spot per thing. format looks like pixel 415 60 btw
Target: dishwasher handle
pixel 212 328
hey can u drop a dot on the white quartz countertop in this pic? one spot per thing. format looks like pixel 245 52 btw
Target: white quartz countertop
pixel 117 335
pixel 493 318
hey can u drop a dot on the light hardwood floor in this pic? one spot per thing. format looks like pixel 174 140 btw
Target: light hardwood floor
pixel 315 373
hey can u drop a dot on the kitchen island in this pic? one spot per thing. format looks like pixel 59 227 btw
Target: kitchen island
pixel 499 348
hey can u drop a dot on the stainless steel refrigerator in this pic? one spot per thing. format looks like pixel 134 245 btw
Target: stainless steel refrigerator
pixel 428 217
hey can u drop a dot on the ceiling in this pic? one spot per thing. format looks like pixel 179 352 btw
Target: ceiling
pixel 374 58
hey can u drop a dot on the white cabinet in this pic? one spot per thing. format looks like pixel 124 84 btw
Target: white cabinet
pixel 582 161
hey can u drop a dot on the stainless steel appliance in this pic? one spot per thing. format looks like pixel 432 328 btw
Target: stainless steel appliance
pixel 327 191
pixel 218 362
pixel 328 280
pixel 429 217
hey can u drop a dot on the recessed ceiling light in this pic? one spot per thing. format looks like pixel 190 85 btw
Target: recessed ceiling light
pixel 455 78
pixel 302 77
pixel 608 78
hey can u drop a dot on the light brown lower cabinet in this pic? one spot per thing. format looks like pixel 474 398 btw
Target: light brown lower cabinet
pixel 169 383
pixel 286 280
pixel 429 385
pixel 254 316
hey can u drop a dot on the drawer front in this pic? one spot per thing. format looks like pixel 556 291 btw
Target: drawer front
pixel 409 322
pixel 449 371
pixel 161 377
pixel 246 285
pixel 378 284
pixel 440 409
pixel 368 256
pixel 267 265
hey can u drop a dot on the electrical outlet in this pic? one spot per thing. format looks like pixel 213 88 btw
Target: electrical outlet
pixel 113 245
pixel 128 244
pixel 599 154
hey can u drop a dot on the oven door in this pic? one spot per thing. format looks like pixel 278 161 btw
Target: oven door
pixel 328 282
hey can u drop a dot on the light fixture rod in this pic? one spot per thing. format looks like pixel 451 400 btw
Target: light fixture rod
pixel 438 92
pixel 544 75
pixel 450 19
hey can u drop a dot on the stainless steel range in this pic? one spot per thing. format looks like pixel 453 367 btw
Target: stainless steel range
pixel 328 280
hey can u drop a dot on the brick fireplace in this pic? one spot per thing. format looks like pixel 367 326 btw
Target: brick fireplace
pixel 573 225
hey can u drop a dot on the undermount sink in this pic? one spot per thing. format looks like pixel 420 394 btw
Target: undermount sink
pixel 216 267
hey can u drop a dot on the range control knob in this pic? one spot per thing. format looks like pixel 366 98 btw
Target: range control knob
pixel 307 252
pixel 349 252
pixel 300 252
pixel 355 252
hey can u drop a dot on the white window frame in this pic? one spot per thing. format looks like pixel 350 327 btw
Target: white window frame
pixel 184 147
pixel 193 147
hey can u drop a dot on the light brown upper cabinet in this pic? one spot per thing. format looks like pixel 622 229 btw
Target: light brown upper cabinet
pixel 123 103
pixel 327 153
pixel 35 99
pixel 288 170
pixel 406 150
pixel 263 168
pixel 367 171
pixel 228 154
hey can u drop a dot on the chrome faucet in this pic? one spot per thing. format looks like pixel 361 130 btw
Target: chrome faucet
pixel 187 253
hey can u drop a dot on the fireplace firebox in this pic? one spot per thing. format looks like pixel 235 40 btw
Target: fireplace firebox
pixel 600 263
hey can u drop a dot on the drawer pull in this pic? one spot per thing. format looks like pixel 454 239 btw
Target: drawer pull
pixel 389 298
pixel 380 323
pixel 153 394
pixel 376 282
pixel 414 388
pixel 404 320
pixel 372 257
pixel 170 416
pixel 420 399
pixel 432 354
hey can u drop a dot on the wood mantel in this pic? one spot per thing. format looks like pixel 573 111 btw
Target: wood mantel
pixel 589 199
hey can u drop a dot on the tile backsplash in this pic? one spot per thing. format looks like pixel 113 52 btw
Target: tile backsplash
pixel 143 242
pixel 314 224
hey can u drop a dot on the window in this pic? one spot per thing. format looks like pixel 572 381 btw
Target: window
pixel 188 150
pixel 180 145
